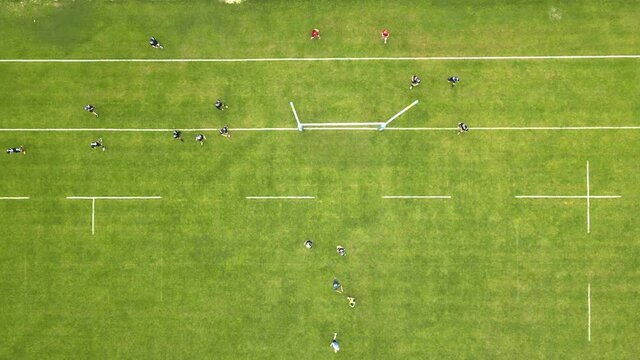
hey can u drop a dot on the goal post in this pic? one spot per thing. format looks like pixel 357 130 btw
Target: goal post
pixel 375 125
pixel 295 114
pixel 384 125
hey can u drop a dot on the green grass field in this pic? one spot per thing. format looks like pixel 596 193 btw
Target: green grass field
pixel 206 273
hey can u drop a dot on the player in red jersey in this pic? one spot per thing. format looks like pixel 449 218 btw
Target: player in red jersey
pixel 315 34
pixel 385 35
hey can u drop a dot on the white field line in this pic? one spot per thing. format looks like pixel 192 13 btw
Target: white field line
pixel 589 310
pixel 399 58
pixel 161 274
pixel 400 113
pixel 588 202
pixel 568 197
pixel 93 204
pixel 136 130
pixel 14 198
pixel 520 128
pixel 280 197
pixel 530 128
pixel 113 197
pixel 343 124
pixel 342 128
pixel 416 197
pixel 93 216
pixel 295 114
pixel 422 129
pixel 248 129
pixel 588 196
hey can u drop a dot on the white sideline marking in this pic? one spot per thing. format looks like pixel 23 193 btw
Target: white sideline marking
pixel 400 113
pixel 250 129
pixel 161 274
pixel 112 197
pixel 342 128
pixel 417 197
pixel 568 197
pixel 558 128
pixel 136 130
pixel 342 124
pixel 14 198
pixel 399 58
pixel 588 202
pixel 520 128
pixel 423 129
pixel 588 197
pixel 589 310
pixel 93 204
pixel 531 128
pixel 278 197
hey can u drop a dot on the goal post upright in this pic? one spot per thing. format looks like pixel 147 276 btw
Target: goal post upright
pixel 384 125
pixel 295 114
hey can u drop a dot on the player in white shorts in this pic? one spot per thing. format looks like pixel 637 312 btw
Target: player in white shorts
pixel 334 343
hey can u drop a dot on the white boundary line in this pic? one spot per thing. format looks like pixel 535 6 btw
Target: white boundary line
pixel 342 124
pixel 342 128
pixel 161 273
pixel 416 197
pixel 557 128
pixel 530 128
pixel 280 197
pixel 588 202
pixel 135 130
pixel 14 198
pixel 113 197
pixel 520 128
pixel 399 58
pixel 568 197
pixel 589 310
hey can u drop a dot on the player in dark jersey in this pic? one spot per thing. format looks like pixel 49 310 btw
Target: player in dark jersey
pixel 340 250
pixel 308 244
pixel 337 287
pixel 98 144
pixel 90 108
pixel 225 132
pixel 155 43
pixel 453 80
pixel 17 150
pixel 220 105
pixel 177 134
pixel 201 138
pixel 315 34
pixel 415 81
pixel 462 127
